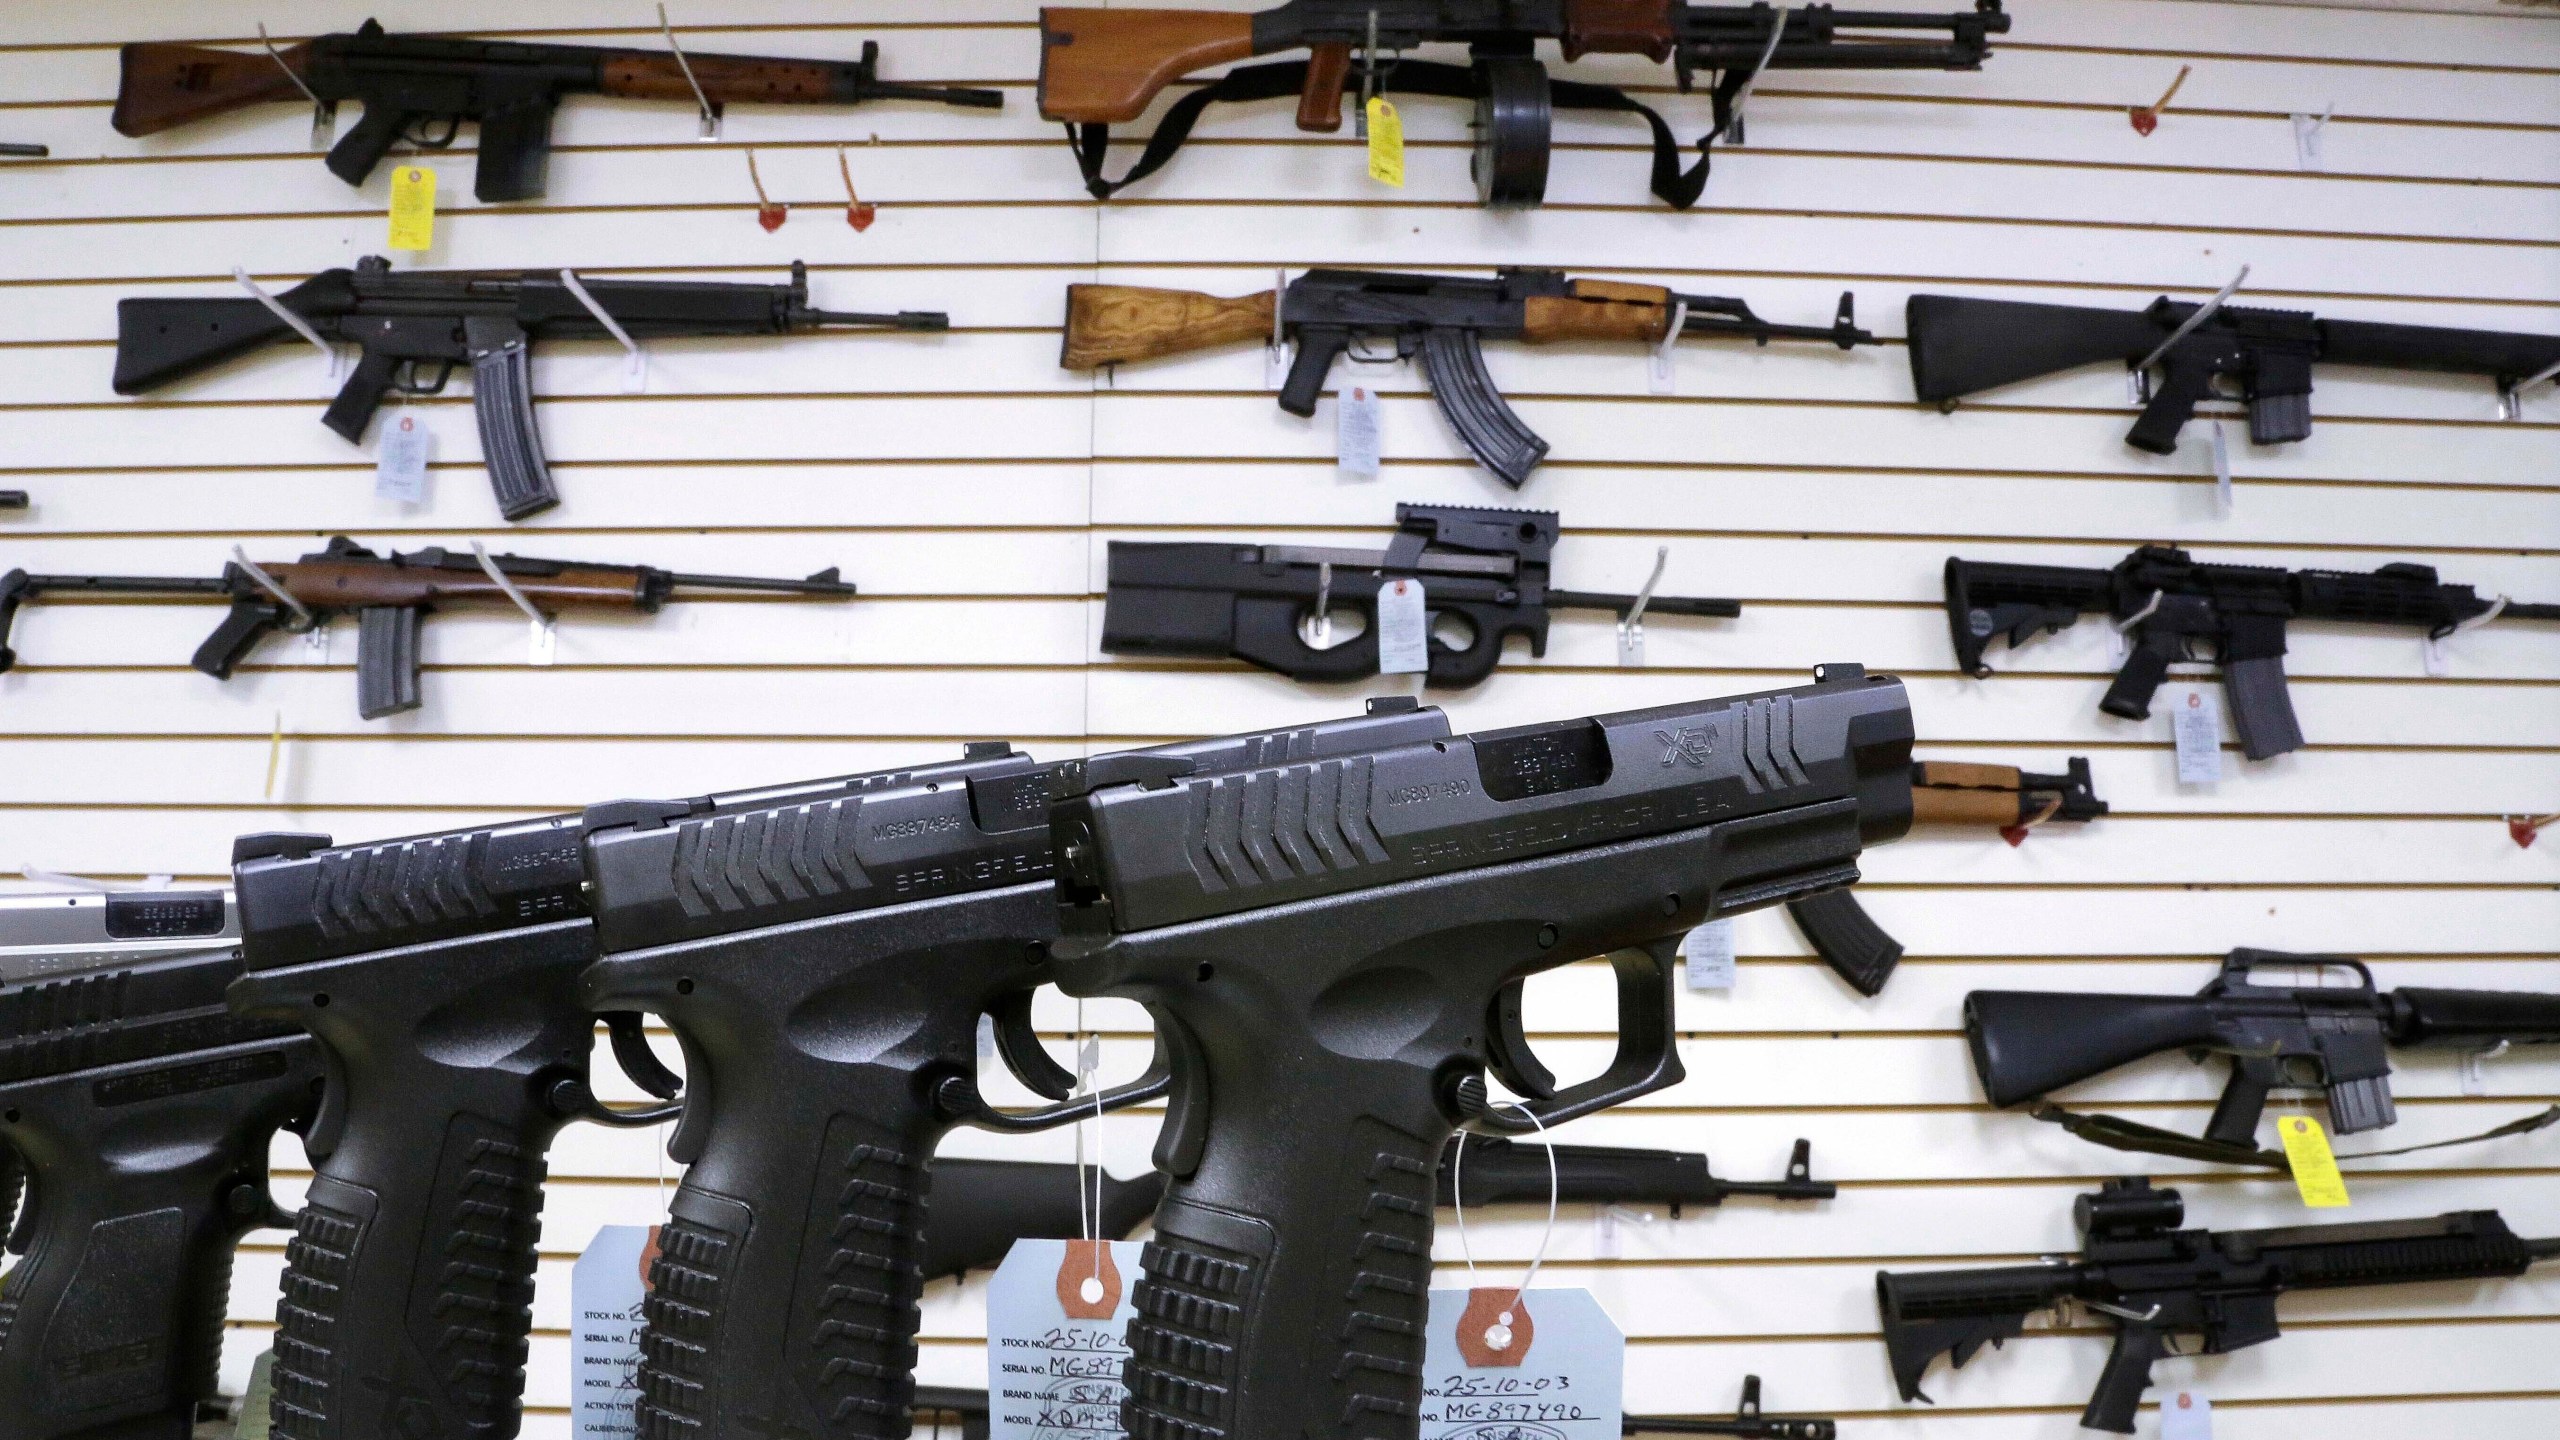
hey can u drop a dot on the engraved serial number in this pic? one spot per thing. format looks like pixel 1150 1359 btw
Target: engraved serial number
pixel 1435 790
pixel 904 829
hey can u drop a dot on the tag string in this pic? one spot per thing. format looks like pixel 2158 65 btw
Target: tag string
pixel 1499 1334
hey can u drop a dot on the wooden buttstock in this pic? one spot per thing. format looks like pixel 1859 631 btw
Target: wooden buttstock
pixel 1599 310
pixel 1107 324
pixel 1966 807
pixel 1320 103
pixel 726 79
pixel 1106 66
pixel 171 85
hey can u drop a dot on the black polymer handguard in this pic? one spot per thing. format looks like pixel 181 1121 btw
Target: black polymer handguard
pixel 1325 947
pixel 824 953
pixel 144 1112
pixel 439 973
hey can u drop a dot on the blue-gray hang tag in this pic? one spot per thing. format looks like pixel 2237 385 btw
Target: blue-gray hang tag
pixel 1556 1369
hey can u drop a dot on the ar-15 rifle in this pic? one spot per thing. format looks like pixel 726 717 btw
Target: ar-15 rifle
pixel 2336 1039
pixel 1443 318
pixel 980 1207
pixel 1943 792
pixel 390 595
pixel 406 320
pixel 507 87
pixel 1487 568
pixel 2153 1280
pixel 1960 347
pixel 1335 951
pixel 2176 606
pixel 969 1407
pixel 1100 67
pixel 142 1111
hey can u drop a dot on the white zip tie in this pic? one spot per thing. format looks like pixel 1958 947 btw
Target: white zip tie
pixel 1659 363
pixel 499 578
pixel 2483 618
pixel 2188 326
pixel 42 876
pixel 285 313
pixel 637 375
pixel 301 616
pixel 1631 625
pixel 2138 616
pixel 1275 352
pixel 1733 112
pixel 710 113
pixel 1498 1334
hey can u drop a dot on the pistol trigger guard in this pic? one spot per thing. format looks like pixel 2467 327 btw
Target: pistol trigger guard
pixel 1648 1057
pixel 1024 1055
pixel 958 1097
pixel 1507 1051
pixel 640 1063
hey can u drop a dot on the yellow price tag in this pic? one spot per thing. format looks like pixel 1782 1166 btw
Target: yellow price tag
pixel 2315 1169
pixel 413 208
pixel 1386 143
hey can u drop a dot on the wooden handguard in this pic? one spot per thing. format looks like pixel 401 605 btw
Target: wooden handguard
pixel 1320 103
pixel 1618 27
pixel 1106 66
pixel 1599 310
pixel 1957 775
pixel 647 75
pixel 321 582
pixel 1966 807
pixel 1107 324
pixel 170 85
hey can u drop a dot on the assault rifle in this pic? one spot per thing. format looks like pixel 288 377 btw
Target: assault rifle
pixel 1942 793
pixel 507 87
pixel 391 596
pixel 2333 1038
pixel 1960 347
pixel 969 1407
pixel 1486 568
pixel 2152 1280
pixel 408 320
pixel 1101 67
pixel 143 1111
pixel 2177 606
pixel 1443 318
pixel 1336 950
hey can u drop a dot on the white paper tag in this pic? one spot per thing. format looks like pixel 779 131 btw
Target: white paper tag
pixel 1357 431
pixel 2196 725
pixel 2221 470
pixel 2306 140
pixel 1404 629
pixel 1051 1376
pixel 2184 1414
pixel 1710 951
pixel 257 1406
pixel 400 460
pixel 542 642
pixel 606 1288
pixel 1565 1383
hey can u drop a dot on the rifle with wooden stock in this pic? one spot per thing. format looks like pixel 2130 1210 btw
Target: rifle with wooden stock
pixel 508 88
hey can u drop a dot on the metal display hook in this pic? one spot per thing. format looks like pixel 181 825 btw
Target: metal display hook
pixel 711 113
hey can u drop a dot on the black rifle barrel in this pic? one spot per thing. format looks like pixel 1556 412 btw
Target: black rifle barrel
pixel 822 583
pixel 903 320
pixel 1658 605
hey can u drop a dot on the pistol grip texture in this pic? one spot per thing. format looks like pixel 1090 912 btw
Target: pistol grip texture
pixel 2129 695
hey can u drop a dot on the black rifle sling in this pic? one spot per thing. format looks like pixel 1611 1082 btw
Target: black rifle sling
pixel 2117 1133
pixel 1092 143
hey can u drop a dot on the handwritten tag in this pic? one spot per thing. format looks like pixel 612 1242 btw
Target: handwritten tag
pixel 2186 1415
pixel 2196 727
pixel 1559 1375
pixel 1386 143
pixel 400 461
pixel 1052 1375
pixel 413 208
pixel 1359 432
pixel 1404 629
pixel 1709 949
pixel 257 1421
pixel 2315 1168
pixel 606 1289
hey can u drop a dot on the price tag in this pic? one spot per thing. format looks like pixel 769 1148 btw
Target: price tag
pixel 1554 1370
pixel 2186 1415
pixel 1386 143
pixel 2315 1169
pixel 1404 629
pixel 1710 951
pixel 1358 432
pixel 606 1289
pixel 2221 470
pixel 413 208
pixel 2196 726
pixel 2306 140
pixel 400 461
pixel 256 1421
pixel 1056 1310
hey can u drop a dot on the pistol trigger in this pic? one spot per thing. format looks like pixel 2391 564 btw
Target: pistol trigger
pixel 1507 1050
pixel 1023 1053
pixel 640 1063
pixel 329 1122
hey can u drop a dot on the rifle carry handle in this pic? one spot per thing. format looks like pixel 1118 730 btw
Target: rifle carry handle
pixel 1106 66
pixel 1108 324
pixel 165 86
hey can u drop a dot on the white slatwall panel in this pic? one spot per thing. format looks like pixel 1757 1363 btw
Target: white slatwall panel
pixel 969 486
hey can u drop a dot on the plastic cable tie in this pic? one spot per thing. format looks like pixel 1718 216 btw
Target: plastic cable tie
pixel 499 578
pixel 638 373
pixel 2484 617
pixel 42 876
pixel 301 615
pixel 1733 112
pixel 1499 1335
pixel 2138 616
pixel 710 112
pixel 2188 326
pixel 2138 1317
pixel 285 313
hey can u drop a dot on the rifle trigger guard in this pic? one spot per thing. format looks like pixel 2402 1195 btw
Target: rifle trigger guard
pixel 405 379
pixel 416 134
pixel 1648 1057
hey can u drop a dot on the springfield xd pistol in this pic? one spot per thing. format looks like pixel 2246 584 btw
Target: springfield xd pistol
pixel 1335 951
pixel 2152 1280
pixel 1943 792
pixel 1445 319
pixel 2178 608
pixel 391 596
pixel 405 321
pixel 439 974
pixel 1486 568
pixel 142 1111
pixel 824 953
pixel 1960 347
pixel 2333 1038
pixel 1099 67
pixel 506 87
